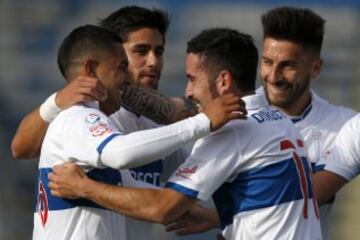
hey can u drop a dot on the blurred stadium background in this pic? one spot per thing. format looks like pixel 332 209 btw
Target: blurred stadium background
pixel 31 31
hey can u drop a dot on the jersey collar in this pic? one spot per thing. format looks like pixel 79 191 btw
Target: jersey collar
pixel 92 104
pixel 303 115
pixel 254 101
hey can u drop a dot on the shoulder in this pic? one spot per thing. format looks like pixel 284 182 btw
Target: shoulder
pixel 80 117
pixel 329 111
pixel 352 126
pixel 327 114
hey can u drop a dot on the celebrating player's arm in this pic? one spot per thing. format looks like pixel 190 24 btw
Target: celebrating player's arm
pixel 151 104
pixel 326 185
pixel 31 131
pixel 343 165
pixel 142 147
pixel 111 198
pixel 197 220
pixel 29 136
pixel 161 206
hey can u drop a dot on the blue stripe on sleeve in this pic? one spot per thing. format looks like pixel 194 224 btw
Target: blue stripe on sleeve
pixel 101 146
pixel 181 189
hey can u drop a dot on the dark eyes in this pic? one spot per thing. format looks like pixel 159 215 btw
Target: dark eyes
pixel 145 50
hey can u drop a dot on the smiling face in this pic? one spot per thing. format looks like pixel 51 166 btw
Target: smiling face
pixel 145 48
pixel 286 71
pixel 199 88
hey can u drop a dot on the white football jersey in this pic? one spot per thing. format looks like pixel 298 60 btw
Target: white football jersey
pixel 85 135
pixel 319 125
pixel 258 174
pixel 153 173
pixel 77 133
pixel 346 158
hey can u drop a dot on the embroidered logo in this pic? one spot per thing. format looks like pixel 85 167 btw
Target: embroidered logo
pixel 186 172
pixel 97 126
pixel 92 118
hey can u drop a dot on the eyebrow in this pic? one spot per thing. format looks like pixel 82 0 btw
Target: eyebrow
pixel 146 45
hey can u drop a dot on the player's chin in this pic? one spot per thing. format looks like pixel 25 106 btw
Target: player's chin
pixel 149 82
pixel 280 102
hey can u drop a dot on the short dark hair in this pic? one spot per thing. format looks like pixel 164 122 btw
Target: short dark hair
pixel 227 49
pixel 299 25
pixel 84 41
pixel 131 18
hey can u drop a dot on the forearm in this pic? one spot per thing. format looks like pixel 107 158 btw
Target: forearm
pixel 144 204
pixel 212 217
pixel 153 105
pixel 29 136
pixel 142 147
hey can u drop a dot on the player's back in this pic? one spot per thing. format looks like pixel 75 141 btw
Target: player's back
pixel 269 195
pixel 58 218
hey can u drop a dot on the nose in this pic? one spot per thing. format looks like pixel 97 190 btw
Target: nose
pixel 152 59
pixel 273 75
pixel 188 90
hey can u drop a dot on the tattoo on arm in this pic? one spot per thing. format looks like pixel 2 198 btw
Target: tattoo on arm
pixel 147 102
pixel 153 105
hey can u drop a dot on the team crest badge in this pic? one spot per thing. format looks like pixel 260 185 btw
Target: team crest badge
pixel 42 204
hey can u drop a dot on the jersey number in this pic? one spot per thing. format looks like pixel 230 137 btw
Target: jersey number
pixel 287 144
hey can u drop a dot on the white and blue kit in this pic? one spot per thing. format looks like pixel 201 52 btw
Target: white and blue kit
pixel 158 171
pixel 319 125
pixel 258 174
pixel 346 157
pixel 85 135
pixel 153 173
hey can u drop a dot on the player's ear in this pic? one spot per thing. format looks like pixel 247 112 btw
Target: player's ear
pixel 223 82
pixel 316 68
pixel 90 67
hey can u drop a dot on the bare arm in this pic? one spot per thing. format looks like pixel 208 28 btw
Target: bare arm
pixel 197 220
pixel 142 147
pixel 326 184
pixel 31 131
pixel 161 206
pixel 152 104
pixel 29 136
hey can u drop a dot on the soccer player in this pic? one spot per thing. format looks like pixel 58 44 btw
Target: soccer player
pixel 292 39
pixel 85 135
pixel 343 165
pixel 290 61
pixel 256 170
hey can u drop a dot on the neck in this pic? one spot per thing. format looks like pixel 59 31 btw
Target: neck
pixel 111 104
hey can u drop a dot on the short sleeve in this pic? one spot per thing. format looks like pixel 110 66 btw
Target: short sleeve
pixel 85 135
pixel 346 158
pixel 211 163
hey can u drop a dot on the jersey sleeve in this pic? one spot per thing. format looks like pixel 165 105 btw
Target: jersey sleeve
pixel 172 162
pixel 86 134
pixel 143 147
pixel 346 158
pixel 211 163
